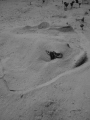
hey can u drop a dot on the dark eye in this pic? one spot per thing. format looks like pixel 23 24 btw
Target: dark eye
pixel 58 55
pixel 51 54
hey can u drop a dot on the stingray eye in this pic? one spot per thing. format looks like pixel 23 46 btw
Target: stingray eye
pixel 58 55
pixel 43 25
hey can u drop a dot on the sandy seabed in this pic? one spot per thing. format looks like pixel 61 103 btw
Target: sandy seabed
pixel 32 86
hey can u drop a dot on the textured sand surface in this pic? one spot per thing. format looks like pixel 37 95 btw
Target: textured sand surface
pixel 32 86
